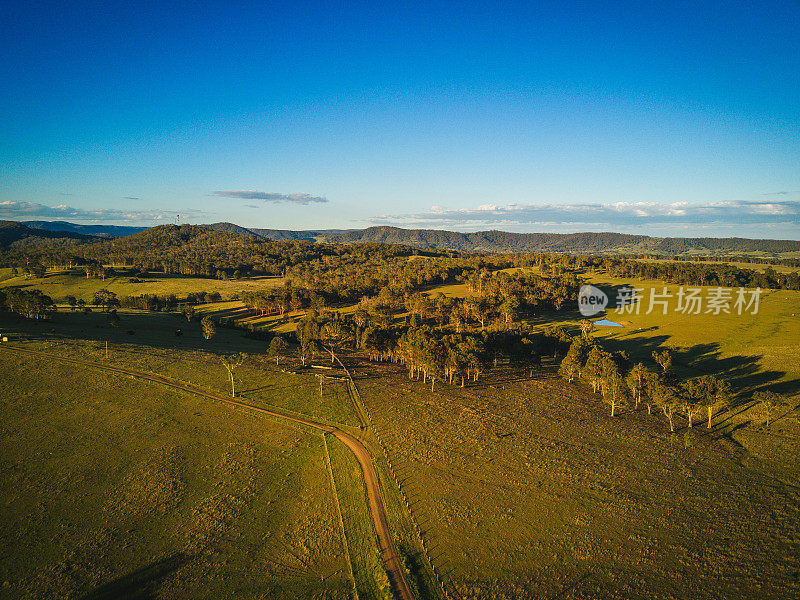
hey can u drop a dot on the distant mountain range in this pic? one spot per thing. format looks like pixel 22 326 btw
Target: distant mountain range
pixel 589 242
pixel 96 230
pixel 30 232
pixel 281 235
pixel 13 234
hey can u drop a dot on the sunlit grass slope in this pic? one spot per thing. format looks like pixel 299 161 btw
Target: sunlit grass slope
pixel 114 487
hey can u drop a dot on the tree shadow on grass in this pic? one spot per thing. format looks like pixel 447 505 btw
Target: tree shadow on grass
pixel 141 584
pixel 136 329
pixel 743 372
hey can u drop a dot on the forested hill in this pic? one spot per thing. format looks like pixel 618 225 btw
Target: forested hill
pixel 280 235
pixel 96 230
pixel 34 232
pixel 312 235
pixel 15 235
pixel 491 241
pixel 607 242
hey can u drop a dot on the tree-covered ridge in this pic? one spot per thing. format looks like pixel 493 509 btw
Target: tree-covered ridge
pixel 489 241
pixel 504 241
pixel 689 273
pixel 17 235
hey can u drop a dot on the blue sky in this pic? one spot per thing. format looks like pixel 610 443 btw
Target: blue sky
pixel 668 119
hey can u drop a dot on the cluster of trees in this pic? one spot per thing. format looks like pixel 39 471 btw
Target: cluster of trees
pixel 516 290
pixel 690 273
pixel 32 304
pixel 727 258
pixel 281 300
pixel 349 278
pixel 622 383
pixel 166 302
pixel 434 355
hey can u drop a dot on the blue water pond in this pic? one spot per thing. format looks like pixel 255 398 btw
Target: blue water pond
pixel 607 323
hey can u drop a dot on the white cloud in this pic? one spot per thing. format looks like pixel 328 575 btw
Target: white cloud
pixel 606 216
pixel 15 211
pixel 302 199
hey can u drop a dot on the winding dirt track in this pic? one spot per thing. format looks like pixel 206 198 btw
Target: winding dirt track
pixel 391 561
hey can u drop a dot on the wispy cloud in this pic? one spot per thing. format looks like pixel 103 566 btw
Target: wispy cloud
pixel 131 198
pixel 271 196
pixel 15 211
pixel 609 216
pixel 781 193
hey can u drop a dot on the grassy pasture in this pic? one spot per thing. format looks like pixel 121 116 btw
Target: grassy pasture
pixel 243 317
pixel 154 347
pixel 523 489
pixel 754 350
pixel 529 489
pixel 371 582
pixel 61 284
pixel 114 487
pixel 741 265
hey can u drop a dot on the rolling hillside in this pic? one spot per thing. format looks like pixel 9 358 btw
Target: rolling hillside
pixel 13 234
pixel 607 242
pixel 96 230
pixel 479 241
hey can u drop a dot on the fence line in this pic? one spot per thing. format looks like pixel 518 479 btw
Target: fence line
pixel 361 408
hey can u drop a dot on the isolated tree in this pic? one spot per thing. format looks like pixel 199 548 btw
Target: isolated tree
pixel 587 327
pixel 721 399
pixel 771 403
pixel 708 391
pixel 333 333
pixel 188 312
pixel 665 397
pixel 105 298
pixel 664 360
pixel 692 397
pixel 277 348
pixel 209 329
pixel 72 301
pixel 231 362
pixel 361 318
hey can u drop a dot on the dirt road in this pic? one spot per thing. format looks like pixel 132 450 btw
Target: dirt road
pixel 391 561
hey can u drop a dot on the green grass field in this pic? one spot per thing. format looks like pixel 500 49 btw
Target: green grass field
pixel 753 350
pixel 114 487
pixel 154 347
pixel 370 578
pixel 741 265
pixel 529 490
pixel 58 285
pixel 521 488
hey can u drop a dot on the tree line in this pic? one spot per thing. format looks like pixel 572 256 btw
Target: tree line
pixel 621 383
